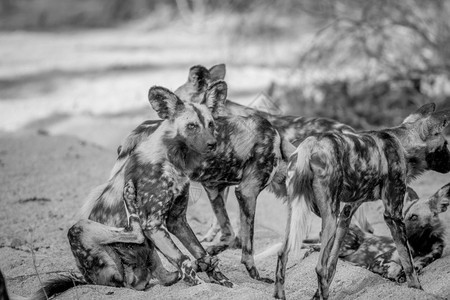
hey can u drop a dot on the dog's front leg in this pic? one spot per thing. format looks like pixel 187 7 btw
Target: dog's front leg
pixel 216 226
pixel 160 237
pixel 436 252
pixel 217 200
pixel 393 204
pixel 178 226
pixel 246 194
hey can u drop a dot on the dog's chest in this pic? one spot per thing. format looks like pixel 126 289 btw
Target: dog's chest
pixel 157 185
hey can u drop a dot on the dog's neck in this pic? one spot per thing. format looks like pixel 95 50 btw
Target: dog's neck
pixel 180 155
pixel 414 153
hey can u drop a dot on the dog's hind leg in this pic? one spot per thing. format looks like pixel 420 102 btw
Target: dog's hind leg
pixel 345 217
pixel 96 260
pixel 283 254
pixel 329 211
pixel 393 202
pixel 216 226
pixel 178 226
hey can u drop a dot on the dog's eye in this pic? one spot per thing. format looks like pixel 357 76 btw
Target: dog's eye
pixel 191 126
pixel 211 125
pixel 413 218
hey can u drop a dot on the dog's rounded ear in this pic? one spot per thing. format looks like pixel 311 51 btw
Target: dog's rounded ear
pixel 423 112
pixel 215 97
pixel 217 72
pixel 438 121
pixel 199 77
pixel 441 199
pixel 164 102
pixel 410 195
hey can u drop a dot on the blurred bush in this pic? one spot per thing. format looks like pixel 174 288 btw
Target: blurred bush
pixel 378 61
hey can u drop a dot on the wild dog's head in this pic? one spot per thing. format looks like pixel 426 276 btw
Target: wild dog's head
pixel 424 140
pixel 191 125
pixel 198 81
pixel 421 215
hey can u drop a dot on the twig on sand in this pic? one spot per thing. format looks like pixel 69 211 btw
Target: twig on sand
pixel 76 290
pixel 33 256
pixel 34 199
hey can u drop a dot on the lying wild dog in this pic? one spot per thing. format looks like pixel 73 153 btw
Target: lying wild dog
pixel 331 168
pixel 293 128
pixel 249 153
pixel 153 169
pixel 424 232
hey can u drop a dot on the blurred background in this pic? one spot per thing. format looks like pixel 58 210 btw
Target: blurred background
pixel 84 67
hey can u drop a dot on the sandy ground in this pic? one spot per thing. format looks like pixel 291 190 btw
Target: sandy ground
pixel 67 105
pixel 44 182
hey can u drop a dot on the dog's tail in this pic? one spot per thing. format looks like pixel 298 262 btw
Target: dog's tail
pixel 53 287
pixel 299 191
pixel 299 187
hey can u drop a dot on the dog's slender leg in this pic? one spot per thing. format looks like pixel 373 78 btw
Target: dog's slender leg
pixel 280 273
pixel 164 277
pixel 178 225
pixel 217 201
pixel 393 203
pixel 345 217
pixel 247 203
pixel 329 211
pixel 216 227
pixel 160 237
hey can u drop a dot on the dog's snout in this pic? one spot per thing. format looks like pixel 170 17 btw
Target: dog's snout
pixel 211 145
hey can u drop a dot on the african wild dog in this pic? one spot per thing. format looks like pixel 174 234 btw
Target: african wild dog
pixel 249 153
pixel 293 128
pixel 424 231
pixel 151 176
pixel 331 168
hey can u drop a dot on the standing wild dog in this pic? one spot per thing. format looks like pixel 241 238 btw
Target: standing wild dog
pixel 424 232
pixel 331 168
pixel 293 128
pixel 249 153
pixel 108 244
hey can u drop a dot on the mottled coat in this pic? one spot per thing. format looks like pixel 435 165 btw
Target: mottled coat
pixel 292 128
pixel 424 232
pixel 332 168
